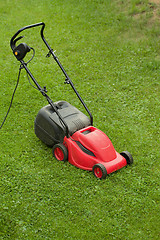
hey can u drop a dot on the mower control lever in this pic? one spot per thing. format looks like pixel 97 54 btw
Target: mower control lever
pixel 14 42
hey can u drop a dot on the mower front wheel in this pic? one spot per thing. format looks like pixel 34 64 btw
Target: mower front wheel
pixel 127 156
pixel 60 152
pixel 99 171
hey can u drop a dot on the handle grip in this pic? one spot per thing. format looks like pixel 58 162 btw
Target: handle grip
pixel 14 40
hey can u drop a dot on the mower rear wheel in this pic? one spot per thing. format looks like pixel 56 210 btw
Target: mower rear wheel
pixel 99 171
pixel 60 152
pixel 127 156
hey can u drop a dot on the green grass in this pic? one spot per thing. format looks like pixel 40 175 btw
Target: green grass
pixel 110 50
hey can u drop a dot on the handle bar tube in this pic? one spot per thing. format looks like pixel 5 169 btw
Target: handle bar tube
pixel 12 42
pixel 68 80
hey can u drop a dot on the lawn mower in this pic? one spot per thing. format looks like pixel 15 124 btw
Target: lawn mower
pixel 65 128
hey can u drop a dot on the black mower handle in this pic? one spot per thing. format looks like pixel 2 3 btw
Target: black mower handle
pixel 24 49
pixel 14 39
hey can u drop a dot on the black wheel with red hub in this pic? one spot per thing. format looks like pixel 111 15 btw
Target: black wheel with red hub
pixel 99 171
pixel 127 156
pixel 60 152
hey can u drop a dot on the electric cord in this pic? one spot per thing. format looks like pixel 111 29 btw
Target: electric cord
pixel 32 55
pixel 31 83
pixel 12 97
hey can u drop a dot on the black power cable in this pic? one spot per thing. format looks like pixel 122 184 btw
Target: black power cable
pixel 12 97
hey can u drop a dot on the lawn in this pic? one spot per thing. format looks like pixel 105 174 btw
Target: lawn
pixel 111 51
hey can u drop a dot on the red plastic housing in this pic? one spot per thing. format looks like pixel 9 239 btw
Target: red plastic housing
pixel 90 146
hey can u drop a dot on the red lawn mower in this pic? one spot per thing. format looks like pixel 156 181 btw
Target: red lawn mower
pixel 67 130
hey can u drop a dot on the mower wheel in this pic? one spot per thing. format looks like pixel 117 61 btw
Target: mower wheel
pixel 99 171
pixel 127 156
pixel 60 152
